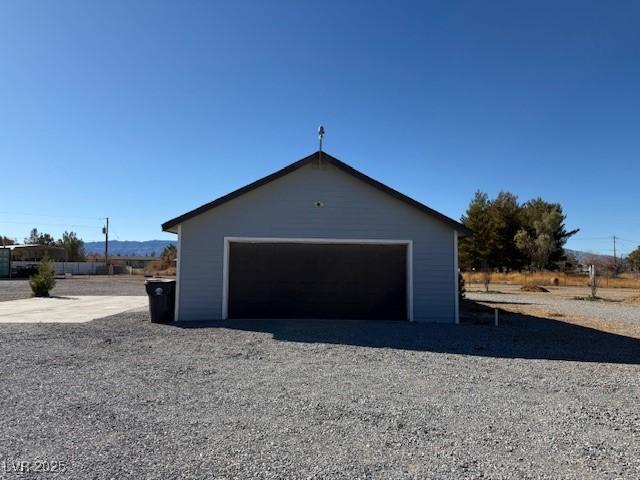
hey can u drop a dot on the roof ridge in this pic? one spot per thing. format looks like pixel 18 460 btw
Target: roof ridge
pixel 303 161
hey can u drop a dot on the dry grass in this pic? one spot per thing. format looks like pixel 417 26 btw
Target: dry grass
pixel 167 272
pixel 156 272
pixel 161 267
pixel 605 325
pixel 633 300
pixel 554 279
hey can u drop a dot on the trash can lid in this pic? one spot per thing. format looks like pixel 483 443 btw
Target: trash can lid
pixel 159 280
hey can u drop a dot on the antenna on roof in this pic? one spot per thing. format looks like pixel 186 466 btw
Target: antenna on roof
pixel 320 135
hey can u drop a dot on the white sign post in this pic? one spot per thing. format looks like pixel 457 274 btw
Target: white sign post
pixel 593 280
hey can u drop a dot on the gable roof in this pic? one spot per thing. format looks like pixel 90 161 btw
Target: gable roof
pixel 462 230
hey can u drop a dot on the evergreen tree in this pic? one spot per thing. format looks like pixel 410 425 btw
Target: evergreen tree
pixel 6 241
pixel 509 235
pixel 73 247
pixel 44 281
pixel 476 250
pixel 37 238
pixel 543 234
pixel 505 218
pixel 634 259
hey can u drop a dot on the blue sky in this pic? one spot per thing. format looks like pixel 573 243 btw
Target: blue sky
pixel 143 110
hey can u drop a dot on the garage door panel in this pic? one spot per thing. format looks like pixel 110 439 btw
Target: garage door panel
pixel 300 280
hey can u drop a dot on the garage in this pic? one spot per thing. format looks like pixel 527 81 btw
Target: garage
pixel 303 279
pixel 316 239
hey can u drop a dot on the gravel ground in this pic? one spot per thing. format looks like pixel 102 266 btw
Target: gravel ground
pixel 608 311
pixel 86 285
pixel 123 398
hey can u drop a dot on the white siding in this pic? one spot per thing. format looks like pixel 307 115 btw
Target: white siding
pixel 286 208
pixel 75 268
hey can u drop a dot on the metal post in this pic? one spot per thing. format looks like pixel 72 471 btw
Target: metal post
pixel 106 245
pixel 320 136
pixel 495 317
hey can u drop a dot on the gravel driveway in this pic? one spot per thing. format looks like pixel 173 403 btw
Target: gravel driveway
pixel 122 398
pixel 608 311
pixel 79 285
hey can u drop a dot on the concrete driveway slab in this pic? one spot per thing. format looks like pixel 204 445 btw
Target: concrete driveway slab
pixel 67 309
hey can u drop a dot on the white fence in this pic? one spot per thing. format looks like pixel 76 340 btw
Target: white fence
pixel 75 268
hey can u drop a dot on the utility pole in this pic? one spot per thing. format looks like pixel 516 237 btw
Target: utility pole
pixel 615 258
pixel 105 230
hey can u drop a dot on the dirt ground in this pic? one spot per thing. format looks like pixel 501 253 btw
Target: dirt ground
pixel 560 292
pixel 78 285
pixel 549 394
pixel 614 312
pixel 121 397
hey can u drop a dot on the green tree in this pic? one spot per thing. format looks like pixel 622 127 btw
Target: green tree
pixel 634 259
pixel 37 238
pixel 44 281
pixel 509 235
pixel 476 250
pixel 494 223
pixel 73 247
pixel 505 221
pixel 32 239
pixel 6 241
pixel 543 234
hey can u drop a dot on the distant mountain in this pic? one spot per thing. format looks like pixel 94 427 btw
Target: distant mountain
pixel 129 248
pixel 586 257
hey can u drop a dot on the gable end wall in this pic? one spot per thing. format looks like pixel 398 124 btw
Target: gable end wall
pixel 285 208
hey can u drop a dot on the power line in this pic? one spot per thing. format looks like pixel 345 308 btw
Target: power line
pixel 50 216
pixel 53 224
pixel 599 241
pixel 637 242
pixel 590 238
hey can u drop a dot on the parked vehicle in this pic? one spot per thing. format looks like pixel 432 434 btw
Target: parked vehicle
pixel 24 271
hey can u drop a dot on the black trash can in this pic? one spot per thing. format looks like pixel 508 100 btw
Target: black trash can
pixel 162 299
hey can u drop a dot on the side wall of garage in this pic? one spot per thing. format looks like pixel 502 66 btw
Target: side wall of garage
pixel 288 208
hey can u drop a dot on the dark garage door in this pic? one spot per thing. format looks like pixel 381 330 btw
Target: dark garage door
pixel 302 280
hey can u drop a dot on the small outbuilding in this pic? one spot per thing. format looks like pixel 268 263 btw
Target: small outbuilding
pixel 317 240
pixel 36 252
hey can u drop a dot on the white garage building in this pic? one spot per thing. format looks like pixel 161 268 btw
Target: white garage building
pixel 317 239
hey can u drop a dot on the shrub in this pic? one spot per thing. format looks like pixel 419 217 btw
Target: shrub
pixel 461 288
pixel 43 282
pixel 534 288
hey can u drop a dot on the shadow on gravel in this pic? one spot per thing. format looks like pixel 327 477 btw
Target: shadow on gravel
pixel 508 303
pixel 518 336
